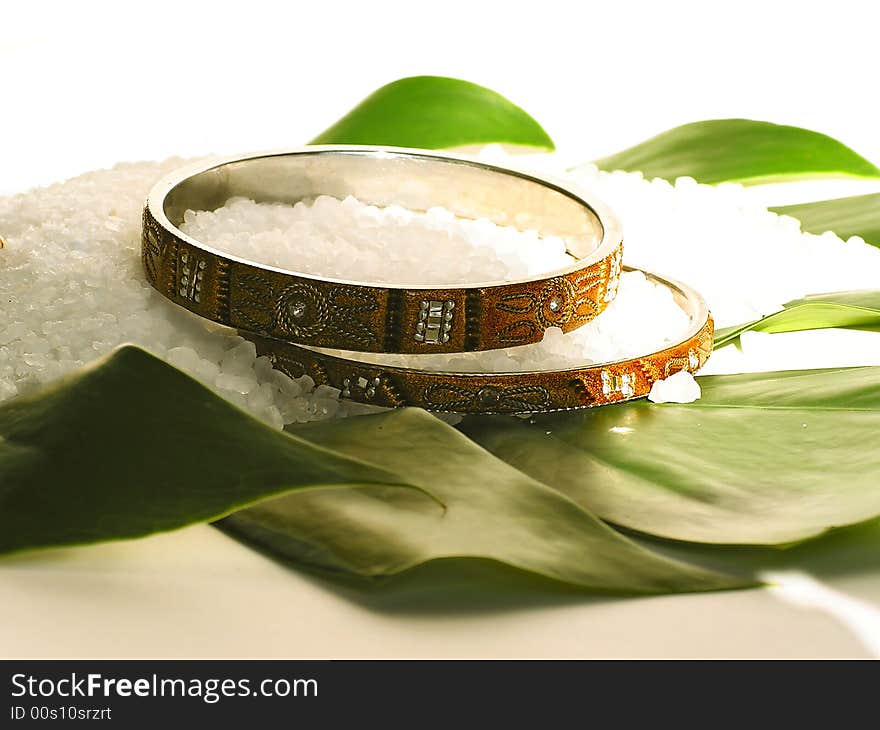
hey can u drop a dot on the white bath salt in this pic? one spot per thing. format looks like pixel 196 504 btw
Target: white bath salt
pixel 681 387
pixel 347 239
pixel 351 240
pixel 745 260
pixel 72 287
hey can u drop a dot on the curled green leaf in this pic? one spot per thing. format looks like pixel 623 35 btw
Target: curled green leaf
pixel 494 512
pixel 131 446
pixel 854 216
pixel 760 459
pixel 740 150
pixel 434 112
pixel 848 309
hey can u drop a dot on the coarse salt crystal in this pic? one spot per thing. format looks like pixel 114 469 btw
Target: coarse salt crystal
pixel 681 387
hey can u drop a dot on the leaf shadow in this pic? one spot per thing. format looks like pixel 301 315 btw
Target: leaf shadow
pixel 466 585
pixel 447 586
pixel 835 557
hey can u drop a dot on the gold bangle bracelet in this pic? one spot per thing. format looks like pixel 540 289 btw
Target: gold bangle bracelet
pixel 497 393
pixel 321 312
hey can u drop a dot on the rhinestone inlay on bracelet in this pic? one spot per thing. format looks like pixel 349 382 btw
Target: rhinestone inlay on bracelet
pixel 191 274
pixel 367 387
pixel 614 276
pixel 435 321
pixel 613 383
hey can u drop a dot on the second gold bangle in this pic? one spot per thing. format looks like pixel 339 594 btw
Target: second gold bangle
pixel 498 393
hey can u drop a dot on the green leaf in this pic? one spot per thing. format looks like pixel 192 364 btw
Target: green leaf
pixel 492 512
pixel 854 216
pixel 767 458
pixel 740 150
pixel 433 112
pixel 131 446
pixel 851 309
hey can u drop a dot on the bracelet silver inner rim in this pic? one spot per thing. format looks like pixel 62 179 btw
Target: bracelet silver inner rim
pixel 414 179
pixel 691 302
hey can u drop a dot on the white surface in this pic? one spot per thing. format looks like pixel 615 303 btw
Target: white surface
pixel 198 593
pixel 88 84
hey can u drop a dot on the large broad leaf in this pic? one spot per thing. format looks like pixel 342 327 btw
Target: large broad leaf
pixel 132 446
pixel 492 511
pixel 740 150
pixel 433 112
pixel 850 309
pixel 769 458
pixel 854 216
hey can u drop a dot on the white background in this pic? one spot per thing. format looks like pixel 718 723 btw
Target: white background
pixel 86 84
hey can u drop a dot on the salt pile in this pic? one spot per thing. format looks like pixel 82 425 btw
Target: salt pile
pixel 346 239
pixel 72 286
pixel 746 261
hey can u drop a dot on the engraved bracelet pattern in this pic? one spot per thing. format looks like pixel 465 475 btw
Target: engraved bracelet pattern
pixel 500 393
pixel 314 311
